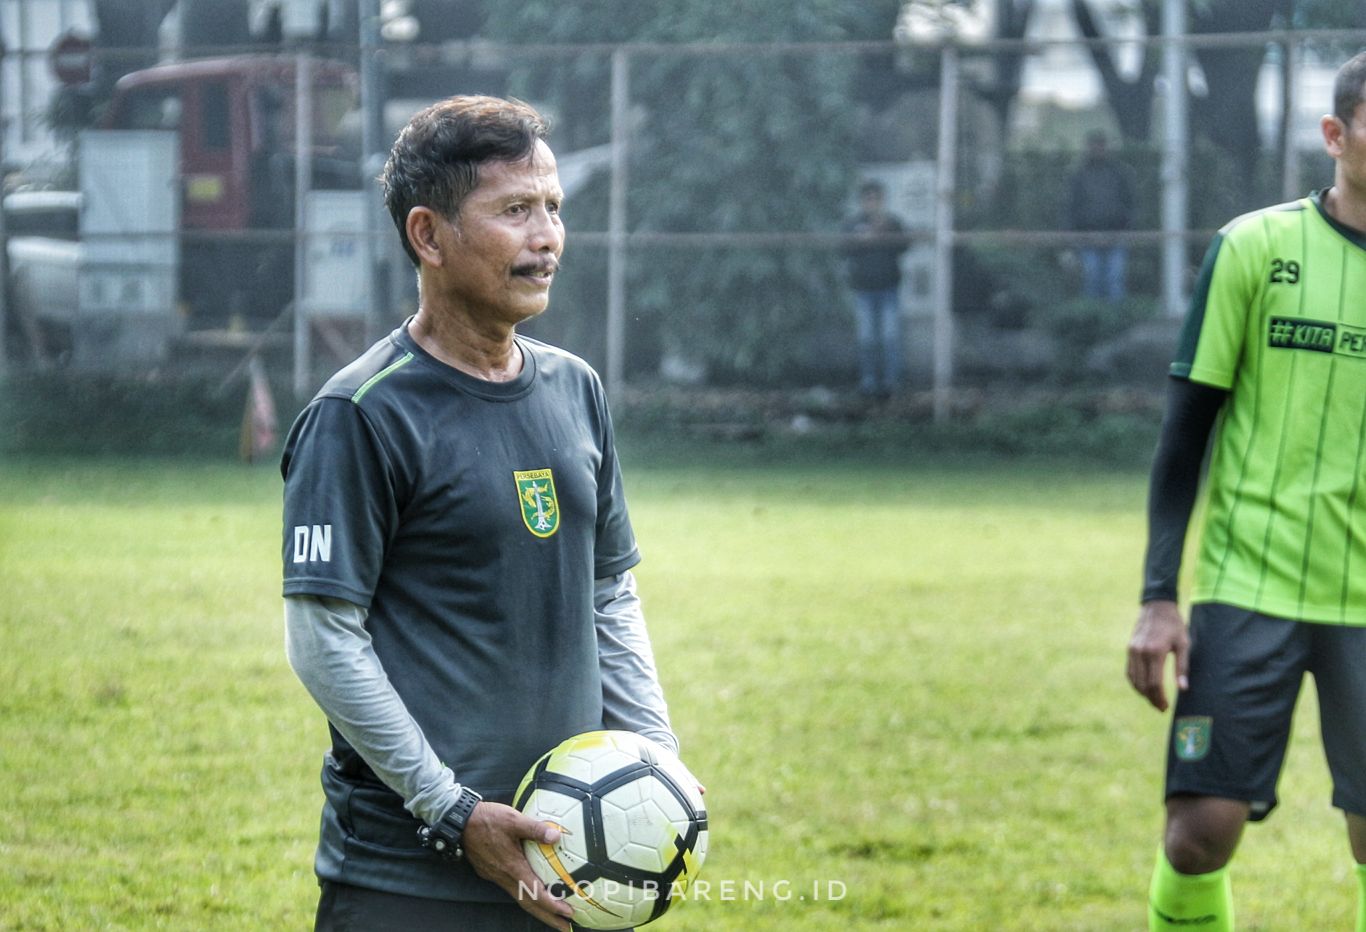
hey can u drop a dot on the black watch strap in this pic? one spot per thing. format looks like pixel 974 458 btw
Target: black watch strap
pixel 445 837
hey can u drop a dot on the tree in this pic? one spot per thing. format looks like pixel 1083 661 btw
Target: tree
pixel 927 21
pixel 127 38
pixel 726 142
pixel 1131 98
pixel 214 24
pixel 1225 116
pixel 1012 22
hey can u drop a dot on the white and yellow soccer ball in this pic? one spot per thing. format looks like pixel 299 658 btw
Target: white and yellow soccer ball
pixel 633 827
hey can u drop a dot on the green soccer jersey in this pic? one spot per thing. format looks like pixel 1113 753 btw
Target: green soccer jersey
pixel 1278 319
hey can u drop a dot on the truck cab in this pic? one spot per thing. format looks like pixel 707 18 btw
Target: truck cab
pixel 236 121
pixel 235 117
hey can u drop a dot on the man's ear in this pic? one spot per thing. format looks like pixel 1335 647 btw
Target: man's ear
pixel 423 227
pixel 1334 132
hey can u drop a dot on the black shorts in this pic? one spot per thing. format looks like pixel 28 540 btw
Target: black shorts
pixel 344 908
pixel 1230 728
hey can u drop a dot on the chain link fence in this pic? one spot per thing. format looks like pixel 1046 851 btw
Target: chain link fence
pixel 708 191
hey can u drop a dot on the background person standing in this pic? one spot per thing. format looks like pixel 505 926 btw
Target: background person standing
pixel 1101 199
pixel 874 270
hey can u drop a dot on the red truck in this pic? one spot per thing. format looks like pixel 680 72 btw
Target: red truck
pixel 236 118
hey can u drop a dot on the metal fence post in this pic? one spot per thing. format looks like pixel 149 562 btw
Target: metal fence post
pixel 616 236
pixel 303 181
pixel 1290 152
pixel 945 180
pixel 372 158
pixel 1175 142
pixel 4 241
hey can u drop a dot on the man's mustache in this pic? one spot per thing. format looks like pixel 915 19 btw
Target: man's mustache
pixel 544 267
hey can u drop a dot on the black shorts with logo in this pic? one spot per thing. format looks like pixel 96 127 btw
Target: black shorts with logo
pixel 1230 728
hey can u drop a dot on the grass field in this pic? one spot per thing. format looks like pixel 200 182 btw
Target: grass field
pixel 902 686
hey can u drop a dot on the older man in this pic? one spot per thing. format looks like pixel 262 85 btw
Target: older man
pixel 458 551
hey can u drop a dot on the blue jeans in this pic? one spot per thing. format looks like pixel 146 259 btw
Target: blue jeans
pixel 1102 272
pixel 879 340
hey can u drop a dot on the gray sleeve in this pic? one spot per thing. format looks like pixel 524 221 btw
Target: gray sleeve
pixel 331 653
pixel 632 699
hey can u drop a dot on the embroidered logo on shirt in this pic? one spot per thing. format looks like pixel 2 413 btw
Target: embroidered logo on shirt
pixel 540 509
pixel 1316 335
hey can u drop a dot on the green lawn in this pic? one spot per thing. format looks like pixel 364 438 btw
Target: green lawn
pixel 903 688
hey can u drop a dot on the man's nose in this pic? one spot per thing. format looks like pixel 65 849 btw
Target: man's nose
pixel 547 233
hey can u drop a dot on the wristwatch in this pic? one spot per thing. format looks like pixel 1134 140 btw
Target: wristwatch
pixel 444 837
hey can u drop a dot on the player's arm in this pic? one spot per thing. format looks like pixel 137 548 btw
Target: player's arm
pixel 632 698
pixel 1192 408
pixel 331 652
pixel 338 475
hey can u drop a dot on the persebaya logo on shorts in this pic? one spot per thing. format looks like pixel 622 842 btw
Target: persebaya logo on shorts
pixel 540 508
pixel 1190 737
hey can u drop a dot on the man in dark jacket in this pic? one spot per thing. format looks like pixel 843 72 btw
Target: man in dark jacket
pixel 1102 199
pixel 874 267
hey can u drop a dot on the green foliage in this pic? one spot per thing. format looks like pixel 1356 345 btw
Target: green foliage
pixel 1033 190
pixel 1025 285
pixel 906 680
pixel 1006 285
pixel 1114 427
pixel 60 411
pixel 1079 324
pixel 70 110
pixel 756 146
pixel 719 144
pixel 62 414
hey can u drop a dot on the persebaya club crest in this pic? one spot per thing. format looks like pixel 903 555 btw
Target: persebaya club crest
pixel 540 508
pixel 1191 735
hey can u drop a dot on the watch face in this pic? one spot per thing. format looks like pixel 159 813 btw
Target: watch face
pixel 443 838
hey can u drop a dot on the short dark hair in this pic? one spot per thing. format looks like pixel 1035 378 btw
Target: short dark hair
pixel 872 186
pixel 1349 88
pixel 435 159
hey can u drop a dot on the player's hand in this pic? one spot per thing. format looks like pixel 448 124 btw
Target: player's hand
pixel 1160 631
pixel 493 846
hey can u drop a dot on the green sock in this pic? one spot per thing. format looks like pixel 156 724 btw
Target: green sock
pixel 1183 901
pixel 1361 898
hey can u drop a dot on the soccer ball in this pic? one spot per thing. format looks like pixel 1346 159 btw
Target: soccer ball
pixel 633 828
